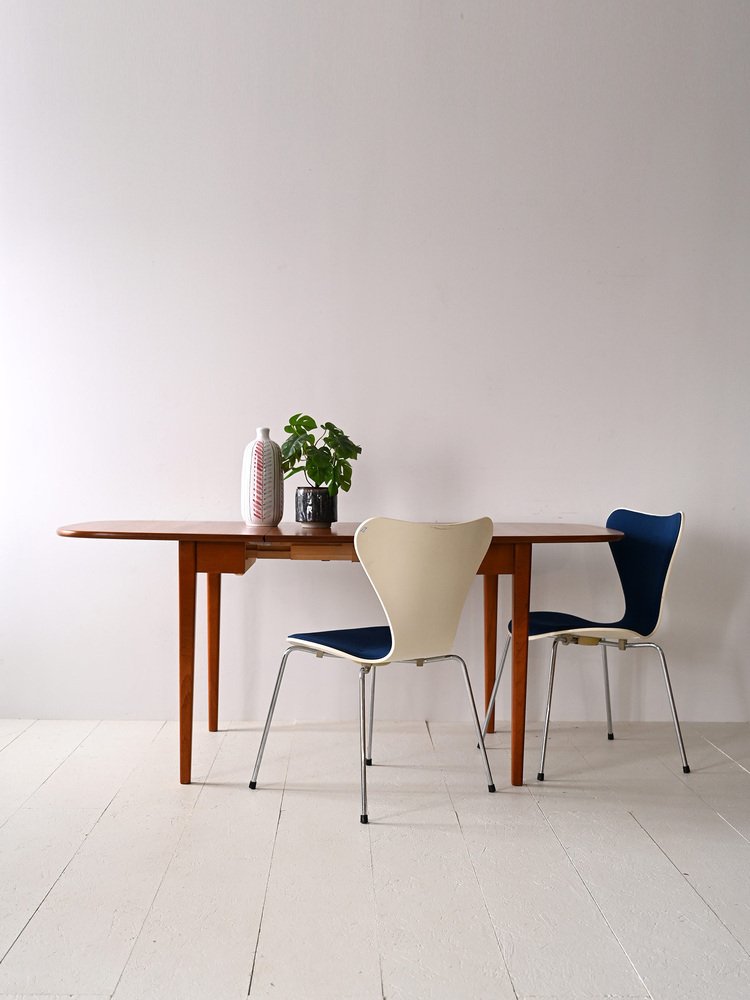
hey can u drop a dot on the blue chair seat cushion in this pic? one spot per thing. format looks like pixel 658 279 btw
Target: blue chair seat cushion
pixel 363 643
pixel 542 622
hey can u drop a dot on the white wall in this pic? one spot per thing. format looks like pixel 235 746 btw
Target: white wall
pixel 504 245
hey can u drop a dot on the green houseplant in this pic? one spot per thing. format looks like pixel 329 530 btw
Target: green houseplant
pixel 324 454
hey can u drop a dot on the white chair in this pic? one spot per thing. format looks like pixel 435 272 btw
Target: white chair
pixel 643 559
pixel 421 574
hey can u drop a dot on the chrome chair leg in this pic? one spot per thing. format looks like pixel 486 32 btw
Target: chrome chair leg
pixel 610 733
pixel 480 737
pixel 553 658
pixel 368 758
pixel 269 717
pixel 363 672
pixel 673 707
pixel 495 686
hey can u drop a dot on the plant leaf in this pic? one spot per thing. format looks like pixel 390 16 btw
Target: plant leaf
pixel 325 461
pixel 319 468
pixel 339 443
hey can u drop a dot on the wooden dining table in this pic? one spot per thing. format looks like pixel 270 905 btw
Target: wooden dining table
pixel 213 548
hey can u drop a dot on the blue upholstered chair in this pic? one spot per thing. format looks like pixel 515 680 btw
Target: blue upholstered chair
pixel 421 574
pixel 643 559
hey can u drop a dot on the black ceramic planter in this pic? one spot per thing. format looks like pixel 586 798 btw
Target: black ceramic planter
pixel 315 505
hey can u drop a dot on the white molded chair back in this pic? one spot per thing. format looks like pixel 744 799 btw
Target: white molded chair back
pixel 421 574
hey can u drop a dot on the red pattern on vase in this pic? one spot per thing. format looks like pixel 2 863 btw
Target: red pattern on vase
pixel 262 482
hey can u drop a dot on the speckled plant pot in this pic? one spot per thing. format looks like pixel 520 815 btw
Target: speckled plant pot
pixel 315 505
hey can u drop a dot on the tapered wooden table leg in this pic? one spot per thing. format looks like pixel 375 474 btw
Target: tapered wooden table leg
pixel 490 642
pixel 521 599
pixel 187 575
pixel 214 621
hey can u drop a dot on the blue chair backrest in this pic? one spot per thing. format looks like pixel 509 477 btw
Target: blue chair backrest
pixel 643 558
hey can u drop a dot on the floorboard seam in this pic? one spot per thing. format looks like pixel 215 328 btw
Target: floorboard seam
pixel 270 868
pixel 13 739
pixel 707 802
pixel 168 865
pixel 592 896
pixel 476 879
pixel 725 754
pixel 73 856
pixel 688 882
pixel 53 771
pixel 730 824
pixel 375 903
pixel 429 734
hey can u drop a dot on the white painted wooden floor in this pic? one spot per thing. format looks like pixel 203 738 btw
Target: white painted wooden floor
pixel 618 877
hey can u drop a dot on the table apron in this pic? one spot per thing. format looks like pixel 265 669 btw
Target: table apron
pixel 238 557
pixel 500 559
pixel 222 557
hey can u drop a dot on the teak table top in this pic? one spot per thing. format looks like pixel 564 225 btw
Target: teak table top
pixel 508 532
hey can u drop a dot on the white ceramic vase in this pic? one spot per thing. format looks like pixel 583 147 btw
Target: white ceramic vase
pixel 262 498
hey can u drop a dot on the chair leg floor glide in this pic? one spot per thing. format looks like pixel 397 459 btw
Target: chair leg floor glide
pixel 673 707
pixel 363 672
pixel 365 736
pixel 269 717
pixel 368 758
pixel 607 701
pixel 477 724
pixel 622 645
